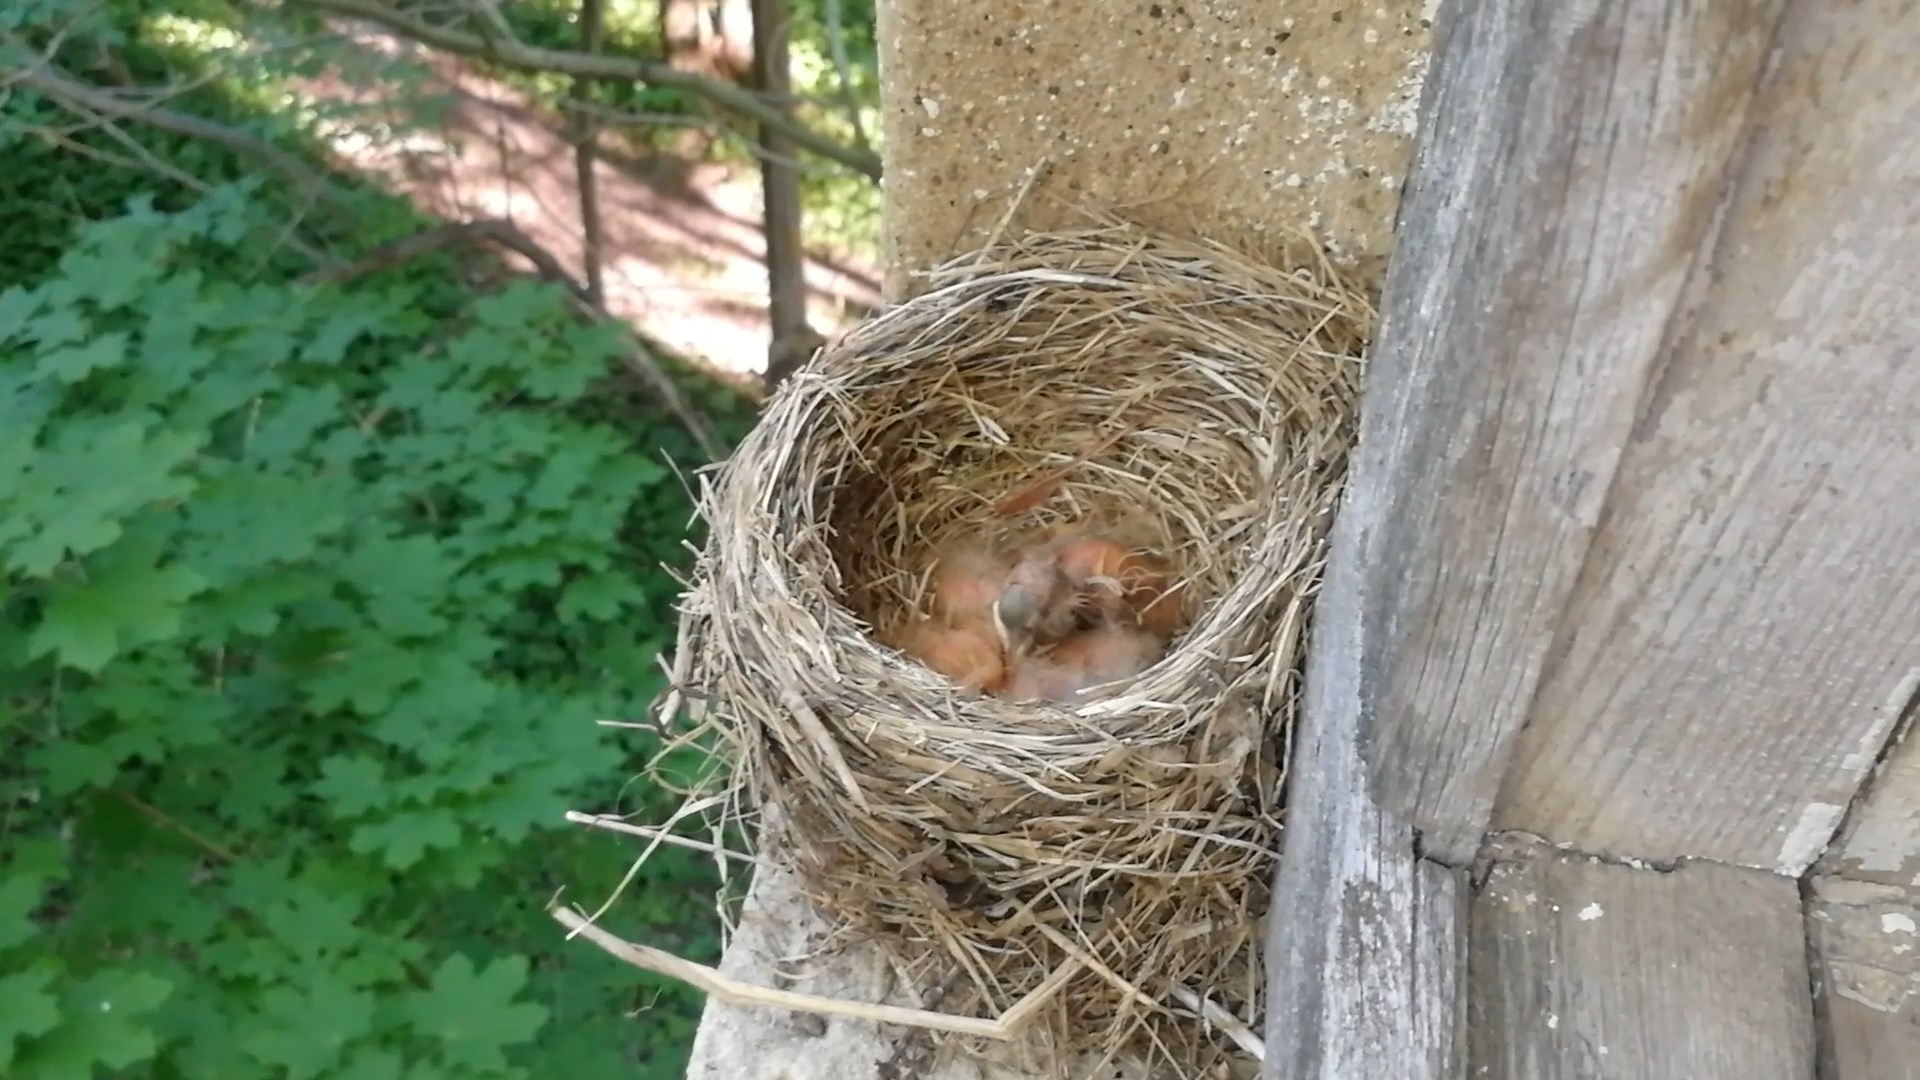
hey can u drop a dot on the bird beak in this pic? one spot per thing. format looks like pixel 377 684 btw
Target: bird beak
pixel 1000 631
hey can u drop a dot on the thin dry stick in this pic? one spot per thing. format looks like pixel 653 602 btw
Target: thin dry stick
pixel 56 84
pixel 734 992
pixel 514 53
pixel 1229 1024
pixel 586 152
pixel 843 69
pixel 647 832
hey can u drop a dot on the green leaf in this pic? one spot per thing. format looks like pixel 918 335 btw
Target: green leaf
pixel 32 1007
pixel 129 597
pixel 405 837
pixel 75 362
pixel 20 893
pixel 600 596
pixel 104 1022
pixel 304 1030
pixel 472 1014
pixel 17 307
pixel 70 765
pixel 80 491
pixel 354 785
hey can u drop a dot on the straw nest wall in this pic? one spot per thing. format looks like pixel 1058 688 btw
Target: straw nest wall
pixel 1100 868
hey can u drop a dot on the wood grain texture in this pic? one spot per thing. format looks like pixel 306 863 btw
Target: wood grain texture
pixel 1743 631
pixel 1570 162
pixel 1881 840
pixel 1866 947
pixel 1581 969
pixel 1364 939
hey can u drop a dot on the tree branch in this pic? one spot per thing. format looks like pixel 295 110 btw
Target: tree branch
pixel 585 155
pixel 843 70
pixel 793 340
pixel 547 265
pixel 514 53
pixel 51 81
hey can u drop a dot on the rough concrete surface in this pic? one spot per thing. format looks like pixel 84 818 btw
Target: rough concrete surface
pixel 1228 117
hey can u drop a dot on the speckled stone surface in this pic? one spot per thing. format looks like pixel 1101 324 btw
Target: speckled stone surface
pixel 1228 117
pixel 1226 114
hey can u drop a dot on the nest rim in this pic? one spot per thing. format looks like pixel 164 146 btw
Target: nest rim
pixel 867 757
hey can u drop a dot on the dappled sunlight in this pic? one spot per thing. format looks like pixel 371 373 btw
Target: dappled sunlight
pixel 683 259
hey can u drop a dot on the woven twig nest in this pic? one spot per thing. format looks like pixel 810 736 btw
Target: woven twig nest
pixel 1114 855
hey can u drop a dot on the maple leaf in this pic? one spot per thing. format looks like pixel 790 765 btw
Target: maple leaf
pixel 91 477
pixel 304 1029
pixel 129 596
pixel 471 1014
pixel 72 363
pixel 103 1021
pixel 30 869
pixel 32 1007
pixel 353 784
pixel 405 837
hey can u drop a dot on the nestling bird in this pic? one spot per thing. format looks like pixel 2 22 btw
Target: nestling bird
pixel 1104 654
pixel 959 639
pixel 968 654
pixel 966 582
pixel 1037 606
pixel 1076 580
pixel 1123 584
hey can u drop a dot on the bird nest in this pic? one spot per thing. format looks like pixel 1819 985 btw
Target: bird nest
pixel 1099 868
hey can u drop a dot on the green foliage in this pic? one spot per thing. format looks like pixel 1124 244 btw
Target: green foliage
pixel 842 209
pixel 313 595
pixel 309 600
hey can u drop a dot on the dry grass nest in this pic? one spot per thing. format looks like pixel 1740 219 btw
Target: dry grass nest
pixel 1113 855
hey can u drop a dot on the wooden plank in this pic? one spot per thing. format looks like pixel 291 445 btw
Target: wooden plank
pixel 1581 969
pixel 1570 161
pixel 1866 943
pixel 1747 621
pixel 1881 840
pixel 1364 939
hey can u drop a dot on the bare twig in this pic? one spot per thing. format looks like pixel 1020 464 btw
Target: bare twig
pixel 614 824
pixel 1229 1025
pixel 56 84
pixel 793 340
pixel 514 53
pixel 843 70
pixel 508 235
pixel 142 159
pixel 585 155
pixel 715 984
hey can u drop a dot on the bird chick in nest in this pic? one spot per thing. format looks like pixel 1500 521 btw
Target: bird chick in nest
pixel 1077 580
pixel 1081 611
pixel 1082 661
pixel 959 639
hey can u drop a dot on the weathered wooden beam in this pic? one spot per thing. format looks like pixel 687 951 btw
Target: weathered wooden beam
pixel 1745 626
pixel 1570 160
pixel 1866 947
pixel 1584 969
pixel 1364 938
pixel 1881 839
